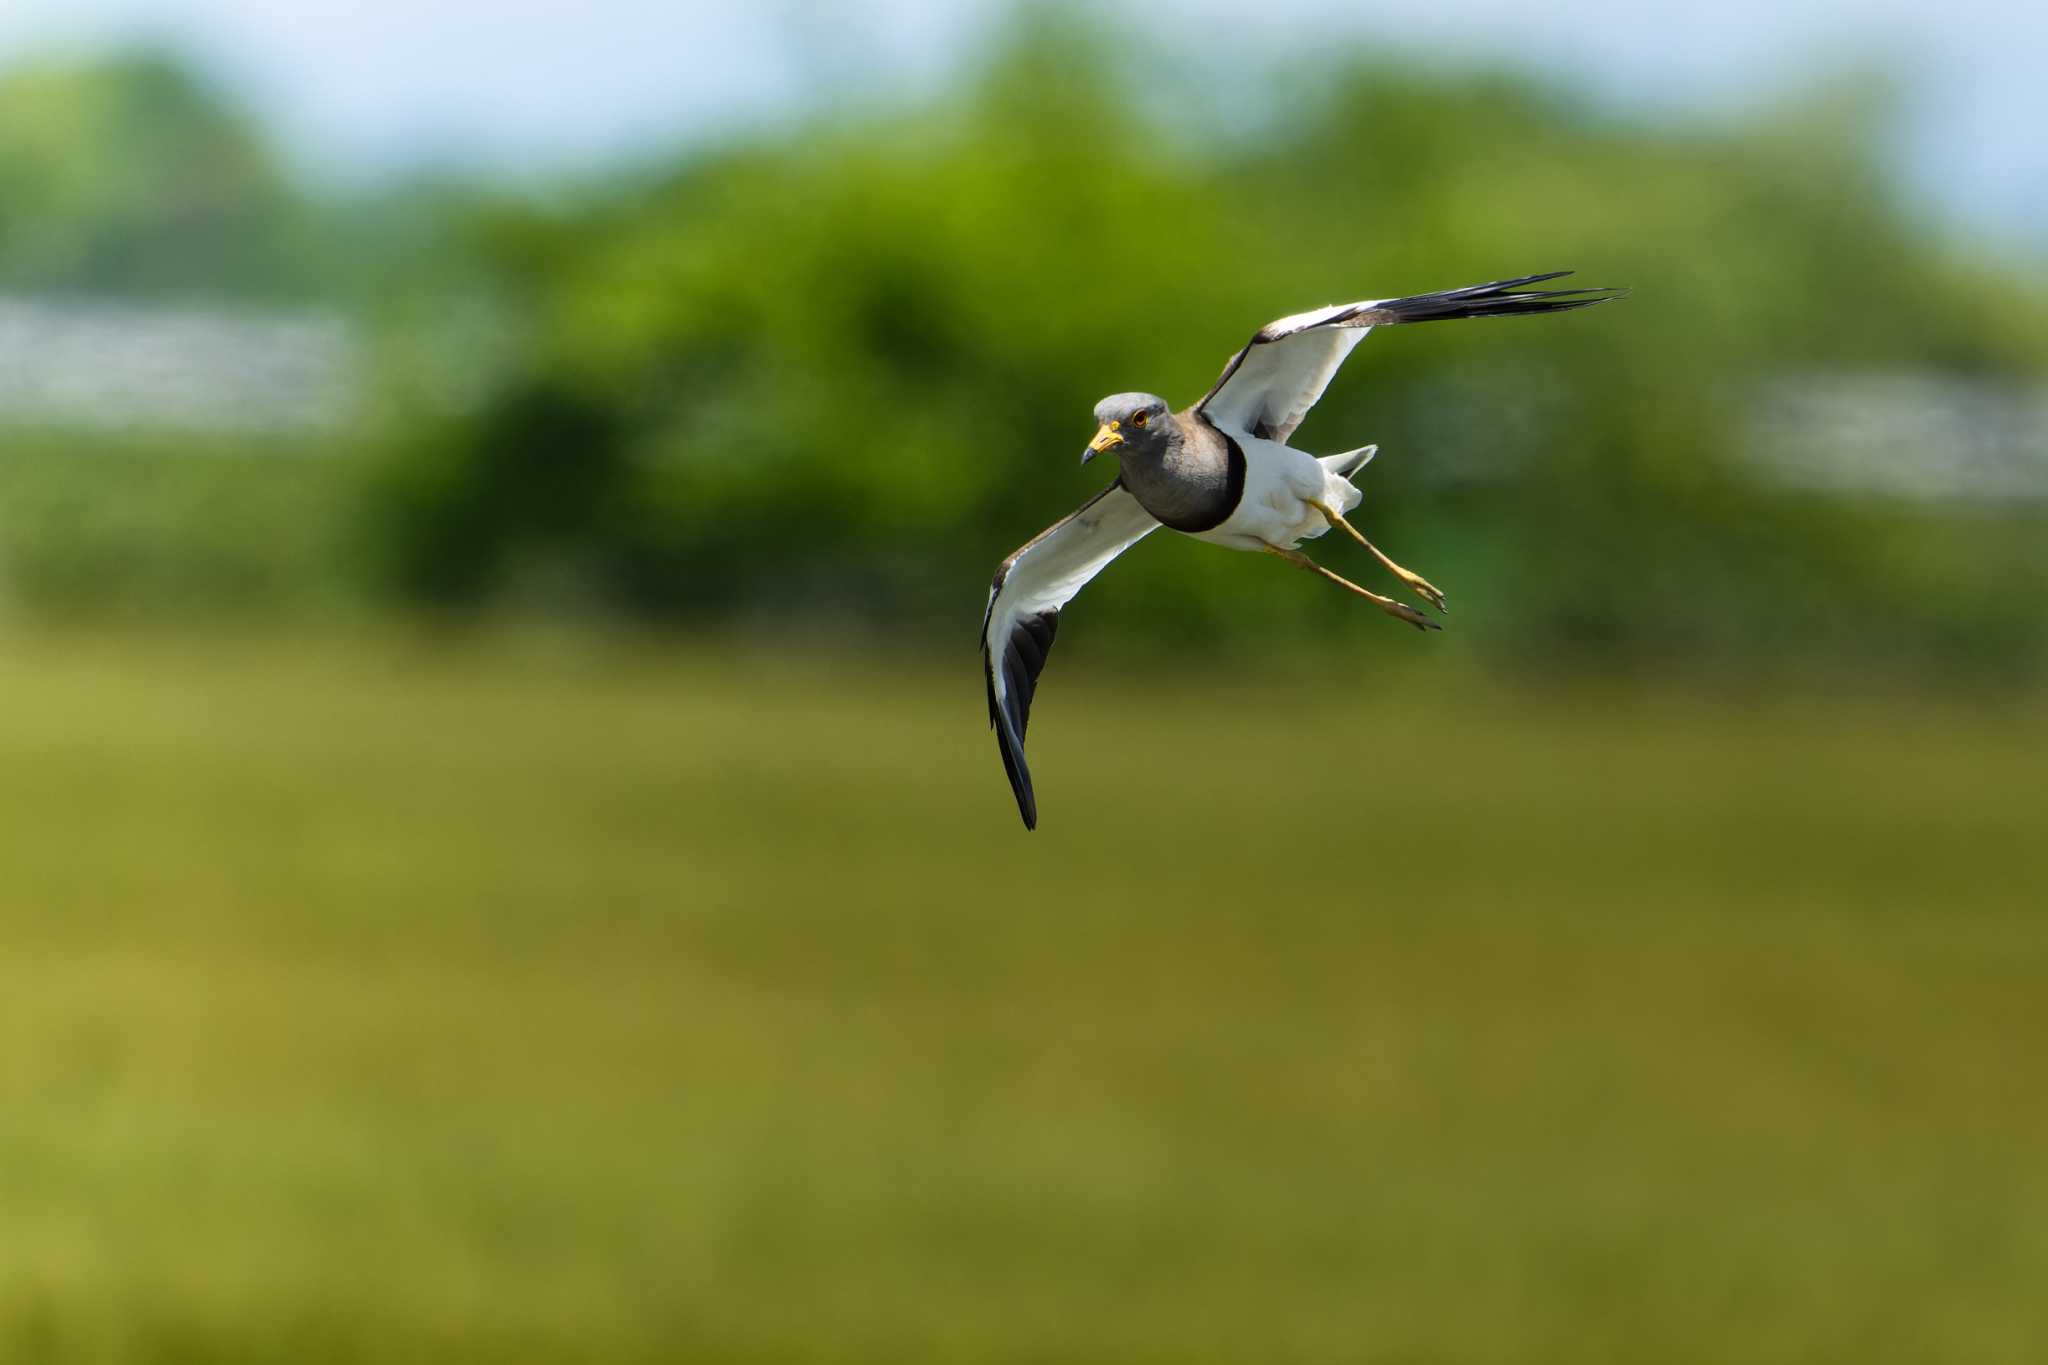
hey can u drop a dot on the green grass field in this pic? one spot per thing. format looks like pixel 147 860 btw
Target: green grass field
pixel 509 1002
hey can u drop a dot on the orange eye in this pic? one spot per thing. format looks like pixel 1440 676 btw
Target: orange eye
pixel 1139 420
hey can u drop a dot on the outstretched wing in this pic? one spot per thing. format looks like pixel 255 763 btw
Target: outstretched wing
pixel 1269 386
pixel 1024 610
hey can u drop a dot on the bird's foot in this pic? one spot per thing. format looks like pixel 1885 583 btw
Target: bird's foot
pixel 1421 587
pixel 1401 611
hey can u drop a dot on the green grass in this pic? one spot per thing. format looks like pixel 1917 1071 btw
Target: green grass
pixel 495 1002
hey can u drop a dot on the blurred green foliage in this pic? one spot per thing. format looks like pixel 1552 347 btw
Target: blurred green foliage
pixel 842 370
pixel 828 374
pixel 133 177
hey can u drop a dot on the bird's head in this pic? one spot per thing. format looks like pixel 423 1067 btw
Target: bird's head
pixel 1130 424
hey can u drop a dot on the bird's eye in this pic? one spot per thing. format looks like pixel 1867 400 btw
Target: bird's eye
pixel 1139 419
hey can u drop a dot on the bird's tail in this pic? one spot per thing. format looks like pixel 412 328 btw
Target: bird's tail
pixel 1347 465
pixel 1502 298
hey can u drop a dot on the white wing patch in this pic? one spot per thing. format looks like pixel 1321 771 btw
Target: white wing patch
pixel 1276 382
pixel 1270 385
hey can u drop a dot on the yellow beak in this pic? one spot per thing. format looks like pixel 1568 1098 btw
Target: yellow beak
pixel 1106 438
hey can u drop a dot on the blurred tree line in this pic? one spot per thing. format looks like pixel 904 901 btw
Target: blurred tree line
pixel 131 178
pixel 827 375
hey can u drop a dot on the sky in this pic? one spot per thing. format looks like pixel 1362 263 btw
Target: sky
pixel 365 88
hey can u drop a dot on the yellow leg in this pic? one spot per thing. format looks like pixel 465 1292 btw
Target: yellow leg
pixel 1400 611
pixel 1421 586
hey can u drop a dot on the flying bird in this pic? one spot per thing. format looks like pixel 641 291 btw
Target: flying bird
pixel 1221 471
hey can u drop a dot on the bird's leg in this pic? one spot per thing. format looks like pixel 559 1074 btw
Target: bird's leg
pixel 1400 611
pixel 1421 586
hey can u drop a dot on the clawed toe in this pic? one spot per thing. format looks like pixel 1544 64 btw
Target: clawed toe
pixel 1403 612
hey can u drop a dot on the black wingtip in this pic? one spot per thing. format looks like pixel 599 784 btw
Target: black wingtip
pixel 1521 280
pixel 1019 774
pixel 1500 298
pixel 1011 745
pixel 1021 660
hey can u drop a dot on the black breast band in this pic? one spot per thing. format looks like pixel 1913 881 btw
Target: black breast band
pixel 1233 487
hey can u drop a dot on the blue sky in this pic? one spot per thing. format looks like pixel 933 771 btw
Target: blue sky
pixel 365 87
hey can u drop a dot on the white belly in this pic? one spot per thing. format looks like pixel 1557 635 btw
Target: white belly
pixel 1279 482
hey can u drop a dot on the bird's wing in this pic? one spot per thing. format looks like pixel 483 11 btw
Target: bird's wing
pixel 1269 386
pixel 1024 610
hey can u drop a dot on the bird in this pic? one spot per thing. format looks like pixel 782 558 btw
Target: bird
pixel 1220 470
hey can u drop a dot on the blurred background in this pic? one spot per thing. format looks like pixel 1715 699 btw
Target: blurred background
pixel 501 855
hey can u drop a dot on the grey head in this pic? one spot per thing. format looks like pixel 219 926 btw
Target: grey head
pixel 1134 425
pixel 1185 473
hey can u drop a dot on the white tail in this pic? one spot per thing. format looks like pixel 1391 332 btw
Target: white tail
pixel 1347 465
